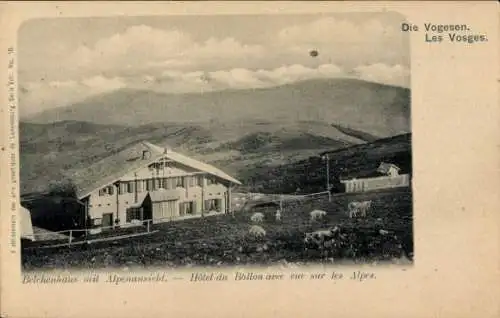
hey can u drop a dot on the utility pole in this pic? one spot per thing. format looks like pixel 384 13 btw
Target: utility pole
pixel 328 177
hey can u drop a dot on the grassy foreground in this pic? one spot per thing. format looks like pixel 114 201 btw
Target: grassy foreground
pixel 224 241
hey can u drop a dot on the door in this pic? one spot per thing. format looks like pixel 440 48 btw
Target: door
pixel 164 210
pixel 107 221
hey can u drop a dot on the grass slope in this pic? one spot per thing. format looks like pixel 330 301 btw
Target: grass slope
pixel 223 240
pixel 309 175
pixel 48 150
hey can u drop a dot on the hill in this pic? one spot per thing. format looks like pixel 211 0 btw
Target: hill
pixel 373 108
pixel 48 150
pixel 309 175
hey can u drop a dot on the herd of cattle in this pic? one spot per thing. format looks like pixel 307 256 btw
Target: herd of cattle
pixel 320 238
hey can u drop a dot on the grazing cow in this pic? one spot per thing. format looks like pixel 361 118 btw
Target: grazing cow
pixel 322 238
pixel 257 231
pixel 317 214
pixel 257 217
pixel 359 208
pixel 383 232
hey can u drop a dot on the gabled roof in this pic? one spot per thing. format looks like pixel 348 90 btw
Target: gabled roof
pixel 113 167
pixel 384 167
pixel 190 162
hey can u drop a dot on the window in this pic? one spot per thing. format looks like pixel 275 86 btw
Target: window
pixel 211 180
pixel 109 190
pixel 156 184
pixel 140 186
pixel 134 214
pixel 199 180
pixel 149 185
pixel 169 183
pixel 191 181
pixel 122 188
pixel 130 187
pixel 157 167
pixel 179 182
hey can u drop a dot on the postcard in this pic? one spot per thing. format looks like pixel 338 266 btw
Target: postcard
pixel 222 159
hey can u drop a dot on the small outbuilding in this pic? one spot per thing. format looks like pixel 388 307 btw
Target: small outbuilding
pixel 26 225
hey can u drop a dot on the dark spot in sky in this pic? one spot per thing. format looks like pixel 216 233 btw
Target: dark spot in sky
pixel 313 53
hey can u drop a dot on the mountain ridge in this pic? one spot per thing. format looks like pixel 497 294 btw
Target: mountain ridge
pixel 377 109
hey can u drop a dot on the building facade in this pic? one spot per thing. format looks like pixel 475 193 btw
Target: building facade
pixel 389 178
pixel 150 183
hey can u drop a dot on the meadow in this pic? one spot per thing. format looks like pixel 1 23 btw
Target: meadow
pixel 224 240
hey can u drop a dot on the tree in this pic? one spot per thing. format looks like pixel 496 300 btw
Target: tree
pixel 63 187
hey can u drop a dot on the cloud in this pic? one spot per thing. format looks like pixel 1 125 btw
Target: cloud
pixel 38 96
pixel 380 73
pixel 242 78
pixel 143 47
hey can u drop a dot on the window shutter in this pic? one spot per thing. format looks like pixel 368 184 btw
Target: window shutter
pixel 149 185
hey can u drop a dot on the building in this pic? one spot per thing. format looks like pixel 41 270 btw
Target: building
pixel 26 226
pixel 148 182
pixel 389 177
pixel 55 212
pixel 388 169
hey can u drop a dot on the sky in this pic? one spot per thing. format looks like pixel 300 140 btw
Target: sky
pixel 64 60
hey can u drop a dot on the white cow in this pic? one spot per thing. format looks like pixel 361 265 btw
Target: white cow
pixel 257 217
pixel 359 208
pixel 257 231
pixel 317 214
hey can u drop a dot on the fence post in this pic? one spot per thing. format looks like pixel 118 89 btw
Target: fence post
pixel 70 237
pixel 148 225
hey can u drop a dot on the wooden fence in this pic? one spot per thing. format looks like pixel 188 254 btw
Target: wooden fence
pixel 369 184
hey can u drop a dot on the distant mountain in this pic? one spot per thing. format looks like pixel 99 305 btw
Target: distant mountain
pixel 375 109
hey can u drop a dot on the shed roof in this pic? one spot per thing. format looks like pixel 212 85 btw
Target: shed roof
pixel 384 167
pixel 114 166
